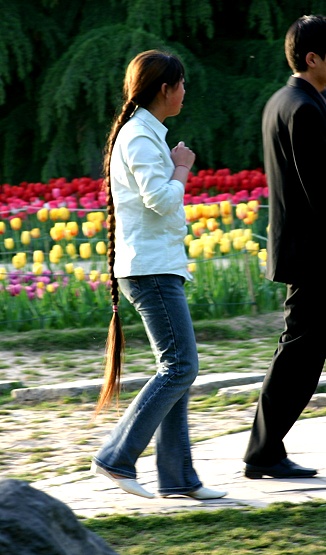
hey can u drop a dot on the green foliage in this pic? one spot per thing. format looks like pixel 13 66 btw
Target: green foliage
pixel 62 67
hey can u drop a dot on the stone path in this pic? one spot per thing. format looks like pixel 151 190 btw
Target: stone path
pixel 52 444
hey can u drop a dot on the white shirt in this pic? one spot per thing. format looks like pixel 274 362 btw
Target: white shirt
pixel 149 211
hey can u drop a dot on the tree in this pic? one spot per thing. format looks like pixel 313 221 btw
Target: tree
pixel 62 67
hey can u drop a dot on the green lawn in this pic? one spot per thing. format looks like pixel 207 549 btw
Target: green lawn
pixel 280 529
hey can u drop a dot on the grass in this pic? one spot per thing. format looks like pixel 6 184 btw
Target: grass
pixel 282 528
pixel 241 328
pixel 237 344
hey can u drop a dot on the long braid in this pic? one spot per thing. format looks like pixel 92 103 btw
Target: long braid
pixel 115 341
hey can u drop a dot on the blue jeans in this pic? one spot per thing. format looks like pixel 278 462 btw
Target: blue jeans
pixel 162 405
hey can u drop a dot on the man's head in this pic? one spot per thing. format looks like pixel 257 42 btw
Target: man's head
pixel 307 34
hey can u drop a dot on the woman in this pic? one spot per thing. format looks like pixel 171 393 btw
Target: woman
pixel 146 221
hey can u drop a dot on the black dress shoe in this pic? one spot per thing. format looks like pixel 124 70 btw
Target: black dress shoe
pixel 284 469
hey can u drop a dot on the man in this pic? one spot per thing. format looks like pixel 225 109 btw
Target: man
pixel 294 140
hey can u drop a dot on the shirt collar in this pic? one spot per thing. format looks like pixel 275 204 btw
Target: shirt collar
pixel 151 121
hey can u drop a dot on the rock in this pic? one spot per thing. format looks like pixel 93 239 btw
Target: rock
pixel 317 401
pixel 32 522
pixel 245 390
pixel 71 389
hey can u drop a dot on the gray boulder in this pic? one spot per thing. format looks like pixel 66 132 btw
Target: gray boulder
pixel 34 523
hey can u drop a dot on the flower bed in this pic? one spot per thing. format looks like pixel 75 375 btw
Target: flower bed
pixel 53 244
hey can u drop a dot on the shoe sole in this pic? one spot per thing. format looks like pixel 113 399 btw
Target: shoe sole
pixel 208 497
pixel 256 475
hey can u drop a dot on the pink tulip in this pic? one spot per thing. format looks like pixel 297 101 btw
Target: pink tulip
pixel 56 192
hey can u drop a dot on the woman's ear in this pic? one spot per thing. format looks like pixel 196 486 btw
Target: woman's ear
pixel 164 89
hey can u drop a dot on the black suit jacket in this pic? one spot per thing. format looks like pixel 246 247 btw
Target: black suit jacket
pixel 294 139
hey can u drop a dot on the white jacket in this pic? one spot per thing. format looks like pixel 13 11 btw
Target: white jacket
pixel 149 211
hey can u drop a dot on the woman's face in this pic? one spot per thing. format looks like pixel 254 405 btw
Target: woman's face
pixel 174 98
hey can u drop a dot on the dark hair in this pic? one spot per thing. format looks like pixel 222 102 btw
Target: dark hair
pixel 307 34
pixel 145 75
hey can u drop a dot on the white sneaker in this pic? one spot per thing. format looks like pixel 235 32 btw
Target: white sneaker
pixel 126 484
pixel 201 494
pixel 206 493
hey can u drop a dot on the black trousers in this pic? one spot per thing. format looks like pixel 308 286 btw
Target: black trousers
pixel 293 375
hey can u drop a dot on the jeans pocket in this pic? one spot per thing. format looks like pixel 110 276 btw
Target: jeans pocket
pixel 130 288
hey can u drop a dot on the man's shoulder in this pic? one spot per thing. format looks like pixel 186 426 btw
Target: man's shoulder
pixel 291 96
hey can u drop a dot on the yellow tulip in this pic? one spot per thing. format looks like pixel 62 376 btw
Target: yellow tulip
pixel 94 275
pixel 98 225
pixel 247 233
pixel 238 232
pixel 101 247
pixel 225 245
pixel 208 251
pixel 197 211
pixel 214 211
pixel 68 234
pixel 250 218
pixel 192 267
pixel 262 255
pixel 9 243
pixel 252 247
pixel 58 231
pixel 54 214
pixel 253 205
pixel 239 243
pixel 206 211
pixel 89 229
pixel 2 228
pixel 50 288
pixel 38 256
pixel 79 273
pixel 72 228
pixel 195 248
pixel 16 224
pixel 25 237
pixel 42 215
pixel 208 240
pixel 58 250
pixel 104 278
pixel 198 228
pixel 55 234
pixel 212 224
pixel 189 212
pixel 40 285
pixel 71 250
pixel 53 257
pixel 69 268
pixel 35 233
pixel 3 273
pixel 225 208
pixel 37 268
pixel 63 213
pixel 217 235
pixel 227 220
pixel 93 216
pixel 187 240
pixel 85 250
pixel 241 210
pixel 19 260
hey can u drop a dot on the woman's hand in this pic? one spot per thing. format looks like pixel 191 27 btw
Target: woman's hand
pixel 183 159
pixel 182 155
